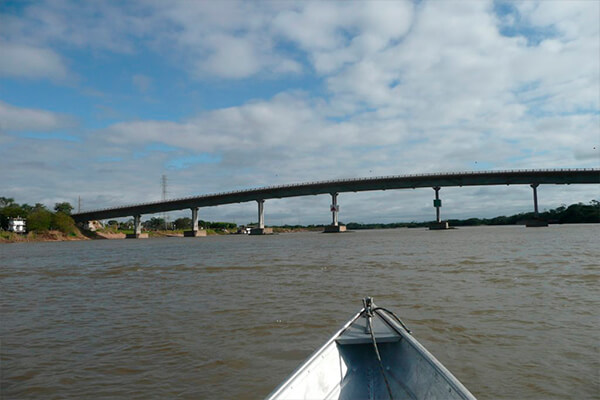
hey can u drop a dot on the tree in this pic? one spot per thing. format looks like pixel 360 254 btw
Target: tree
pixel 64 207
pixel 39 219
pixel 183 223
pixel 222 225
pixel 6 201
pixel 63 222
pixel 27 208
pixel 154 224
pixel 127 224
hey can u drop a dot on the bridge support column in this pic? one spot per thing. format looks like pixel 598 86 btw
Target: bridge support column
pixel 335 209
pixel 437 203
pixel 137 229
pixel 536 221
pixel 195 232
pixel 261 230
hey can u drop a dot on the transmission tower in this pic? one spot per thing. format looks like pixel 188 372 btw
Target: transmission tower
pixel 164 196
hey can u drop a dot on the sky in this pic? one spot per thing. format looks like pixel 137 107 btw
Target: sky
pixel 99 100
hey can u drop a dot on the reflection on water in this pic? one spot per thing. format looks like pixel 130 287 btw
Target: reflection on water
pixel 512 312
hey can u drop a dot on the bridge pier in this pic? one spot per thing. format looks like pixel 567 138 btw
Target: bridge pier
pixel 261 230
pixel 335 227
pixel 475 178
pixel 536 221
pixel 437 203
pixel 195 232
pixel 137 229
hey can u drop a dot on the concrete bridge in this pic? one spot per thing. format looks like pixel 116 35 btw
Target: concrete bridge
pixel 534 178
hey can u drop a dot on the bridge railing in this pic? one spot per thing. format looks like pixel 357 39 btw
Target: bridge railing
pixel 343 180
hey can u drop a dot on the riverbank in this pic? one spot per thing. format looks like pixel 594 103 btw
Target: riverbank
pixel 47 236
pixel 104 234
pixel 114 234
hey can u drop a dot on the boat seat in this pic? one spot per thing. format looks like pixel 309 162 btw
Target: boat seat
pixel 357 332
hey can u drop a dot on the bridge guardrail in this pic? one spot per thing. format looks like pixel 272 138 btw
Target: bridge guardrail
pixel 330 181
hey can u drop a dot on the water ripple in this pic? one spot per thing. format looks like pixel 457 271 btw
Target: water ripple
pixel 230 317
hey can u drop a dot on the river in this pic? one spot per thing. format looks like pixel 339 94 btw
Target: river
pixel 512 312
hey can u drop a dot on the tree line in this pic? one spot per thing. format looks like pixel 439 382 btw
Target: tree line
pixel 159 224
pixel 39 217
pixel 574 214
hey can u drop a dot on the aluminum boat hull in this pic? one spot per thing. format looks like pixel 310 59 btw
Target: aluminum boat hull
pixel 347 366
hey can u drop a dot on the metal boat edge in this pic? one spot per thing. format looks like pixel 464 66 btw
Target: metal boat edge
pixel 394 323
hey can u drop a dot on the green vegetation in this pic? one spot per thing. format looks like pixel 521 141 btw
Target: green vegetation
pixel 64 208
pixel 159 224
pixel 39 218
pixel 8 236
pixel 574 214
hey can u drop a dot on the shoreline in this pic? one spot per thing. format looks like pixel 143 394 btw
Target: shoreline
pixel 48 236
pixel 57 236
pixel 78 235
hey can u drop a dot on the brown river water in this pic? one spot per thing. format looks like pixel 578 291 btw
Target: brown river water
pixel 512 312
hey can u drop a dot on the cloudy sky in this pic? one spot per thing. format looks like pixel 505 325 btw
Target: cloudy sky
pixel 99 99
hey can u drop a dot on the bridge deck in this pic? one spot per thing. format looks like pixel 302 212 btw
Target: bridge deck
pixel 514 177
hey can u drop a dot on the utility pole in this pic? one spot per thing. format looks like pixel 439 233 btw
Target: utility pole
pixel 79 204
pixel 164 196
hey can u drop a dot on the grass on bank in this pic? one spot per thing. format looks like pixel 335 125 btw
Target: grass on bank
pixel 41 236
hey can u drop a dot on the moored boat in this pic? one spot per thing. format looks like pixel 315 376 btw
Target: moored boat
pixel 373 356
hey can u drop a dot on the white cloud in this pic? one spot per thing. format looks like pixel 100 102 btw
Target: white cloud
pixel 260 124
pixel 292 135
pixel 403 87
pixel 230 57
pixel 335 34
pixel 24 61
pixel 573 19
pixel 17 119
pixel 79 25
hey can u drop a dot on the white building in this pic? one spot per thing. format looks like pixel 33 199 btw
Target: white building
pixel 17 225
pixel 93 226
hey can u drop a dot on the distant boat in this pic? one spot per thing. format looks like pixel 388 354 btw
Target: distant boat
pixel 373 356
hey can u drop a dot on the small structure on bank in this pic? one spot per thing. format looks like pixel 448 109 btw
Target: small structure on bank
pixel 243 230
pixel 93 226
pixel 17 225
